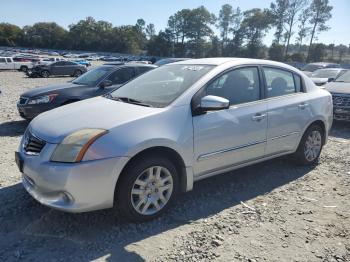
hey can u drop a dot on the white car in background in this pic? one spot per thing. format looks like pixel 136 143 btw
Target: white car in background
pixel 7 63
pixel 140 145
pixel 323 76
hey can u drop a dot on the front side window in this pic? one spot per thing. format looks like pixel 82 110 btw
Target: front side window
pixel 122 75
pixel 161 86
pixel 8 60
pixel 279 82
pixel 238 86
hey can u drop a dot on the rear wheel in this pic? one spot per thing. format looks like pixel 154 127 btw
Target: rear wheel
pixel 310 146
pixel 146 188
pixel 45 73
pixel 24 68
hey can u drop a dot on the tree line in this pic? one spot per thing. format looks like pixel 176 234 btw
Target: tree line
pixel 190 33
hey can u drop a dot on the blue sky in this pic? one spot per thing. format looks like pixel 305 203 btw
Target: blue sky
pixel 65 12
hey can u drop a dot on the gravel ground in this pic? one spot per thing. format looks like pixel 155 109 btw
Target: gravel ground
pixel 272 211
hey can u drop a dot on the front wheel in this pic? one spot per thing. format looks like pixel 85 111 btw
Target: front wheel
pixel 45 73
pixel 310 146
pixel 77 73
pixel 146 188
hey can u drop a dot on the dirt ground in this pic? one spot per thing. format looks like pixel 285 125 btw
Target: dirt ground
pixel 274 211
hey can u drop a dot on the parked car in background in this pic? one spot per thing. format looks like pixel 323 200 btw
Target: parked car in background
pixel 169 61
pixel 340 90
pixel 59 68
pixel 50 60
pixel 323 76
pixel 95 82
pixel 82 62
pixel 7 63
pixel 309 68
pixel 137 147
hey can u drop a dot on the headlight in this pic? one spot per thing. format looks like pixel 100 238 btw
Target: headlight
pixel 74 146
pixel 42 99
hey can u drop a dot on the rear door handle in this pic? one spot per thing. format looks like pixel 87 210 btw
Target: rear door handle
pixel 303 105
pixel 258 117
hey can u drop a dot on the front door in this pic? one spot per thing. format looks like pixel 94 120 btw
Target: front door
pixel 235 135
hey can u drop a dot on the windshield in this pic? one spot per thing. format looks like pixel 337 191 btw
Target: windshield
pixel 92 77
pixel 325 73
pixel 162 85
pixel 344 78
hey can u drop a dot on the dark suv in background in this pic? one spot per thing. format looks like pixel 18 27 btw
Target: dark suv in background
pixel 59 68
pixel 95 82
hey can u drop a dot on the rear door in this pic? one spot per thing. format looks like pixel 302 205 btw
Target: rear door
pixel 3 63
pixel 288 109
pixel 58 68
pixel 235 135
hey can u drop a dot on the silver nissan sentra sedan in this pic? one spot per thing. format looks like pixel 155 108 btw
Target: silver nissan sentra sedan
pixel 138 147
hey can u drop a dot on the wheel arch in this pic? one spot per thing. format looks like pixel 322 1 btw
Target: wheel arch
pixel 321 123
pixel 185 177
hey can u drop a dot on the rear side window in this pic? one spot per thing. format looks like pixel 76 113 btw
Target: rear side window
pixel 122 75
pixel 142 70
pixel 238 86
pixel 2 60
pixel 280 82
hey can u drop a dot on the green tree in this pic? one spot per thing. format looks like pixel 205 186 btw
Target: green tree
pixel 276 52
pixel 10 35
pixel 44 35
pixel 303 27
pixel 150 30
pixel 278 12
pixel 255 24
pixel 225 19
pixel 294 7
pixel 317 53
pixel 320 13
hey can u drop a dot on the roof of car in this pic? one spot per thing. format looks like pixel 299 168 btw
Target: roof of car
pixel 323 63
pixel 222 60
pixel 129 64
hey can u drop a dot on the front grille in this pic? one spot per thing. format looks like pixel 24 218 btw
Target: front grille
pixel 32 145
pixel 23 100
pixel 341 100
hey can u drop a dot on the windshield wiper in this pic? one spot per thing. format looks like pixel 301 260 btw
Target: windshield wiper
pixel 129 100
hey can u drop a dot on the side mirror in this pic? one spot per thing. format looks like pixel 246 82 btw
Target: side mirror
pixel 331 79
pixel 213 103
pixel 106 83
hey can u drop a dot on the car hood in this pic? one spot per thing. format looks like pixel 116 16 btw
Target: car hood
pixel 338 87
pixel 318 80
pixel 99 112
pixel 48 89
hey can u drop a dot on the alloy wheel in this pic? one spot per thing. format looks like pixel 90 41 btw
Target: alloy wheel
pixel 152 190
pixel 313 145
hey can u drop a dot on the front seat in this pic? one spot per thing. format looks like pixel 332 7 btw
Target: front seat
pixel 236 88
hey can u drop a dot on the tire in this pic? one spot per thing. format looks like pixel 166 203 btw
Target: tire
pixel 77 73
pixel 310 146
pixel 45 74
pixel 23 69
pixel 146 196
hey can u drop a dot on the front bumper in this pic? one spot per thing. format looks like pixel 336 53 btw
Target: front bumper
pixel 31 111
pixel 71 187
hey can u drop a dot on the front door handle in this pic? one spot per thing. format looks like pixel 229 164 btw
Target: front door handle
pixel 258 117
pixel 303 105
